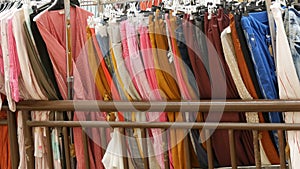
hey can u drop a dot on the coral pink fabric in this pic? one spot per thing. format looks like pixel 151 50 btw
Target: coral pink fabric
pixel 52 28
pixel 125 53
pixel 14 65
pixel 153 93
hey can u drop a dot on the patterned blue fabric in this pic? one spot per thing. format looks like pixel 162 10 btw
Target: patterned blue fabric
pixel 292 27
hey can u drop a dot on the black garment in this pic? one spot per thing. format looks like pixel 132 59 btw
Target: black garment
pixel 251 69
pixel 44 55
pixel 201 39
pixel 60 4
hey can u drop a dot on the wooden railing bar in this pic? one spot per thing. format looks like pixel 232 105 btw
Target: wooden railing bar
pixel 171 106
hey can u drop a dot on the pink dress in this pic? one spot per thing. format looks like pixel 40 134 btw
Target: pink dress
pixel 181 82
pixel 52 28
pixel 14 64
pixel 146 53
pixel 125 54
pixel 137 71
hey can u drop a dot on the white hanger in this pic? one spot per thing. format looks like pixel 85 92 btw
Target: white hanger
pixel 36 3
pixel 91 22
pixel 44 11
pixel 186 2
pixel 7 6
pixel 281 2
pixel 278 3
pixel 190 9
pixel 257 2
pixel 98 20
pixel 175 7
pixel 11 6
pixel 113 14
pixel 4 8
pixel 106 10
pixel 168 4
pixel 210 10
pixel 119 12
pixel 132 8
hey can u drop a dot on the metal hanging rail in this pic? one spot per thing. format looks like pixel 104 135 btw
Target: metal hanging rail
pixel 201 106
pixel 171 106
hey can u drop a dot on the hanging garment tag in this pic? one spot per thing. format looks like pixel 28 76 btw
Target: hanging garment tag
pixel 269 42
pixel 271 50
pixel 170 56
pixel 62 12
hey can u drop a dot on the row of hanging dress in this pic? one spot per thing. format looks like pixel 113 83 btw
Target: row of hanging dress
pixel 162 37
pixel 274 82
pixel 174 73
pixel 128 47
pixel 18 79
pixel 158 57
pixel 5 162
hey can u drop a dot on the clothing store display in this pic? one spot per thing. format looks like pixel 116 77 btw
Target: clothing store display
pixel 220 74
pixel 125 85
pixel 148 63
pixel 144 52
pixel 199 70
pixel 249 79
pixel 251 117
pixel 256 31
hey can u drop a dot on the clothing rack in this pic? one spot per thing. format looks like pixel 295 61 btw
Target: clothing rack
pixel 68 138
pixel 201 105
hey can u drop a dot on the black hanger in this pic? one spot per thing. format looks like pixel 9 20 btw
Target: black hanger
pixel 2 5
pixel 180 14
pixel 7 5
pixel 229 6
pixel 243 8
pixel 146 13
pixel 60 4
pixel 154 8
pixel 253 7
pixel 163 10
pixel 297 6
pixel 200 12
pixel 41 8
pixel 288 2
pixel 20 4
